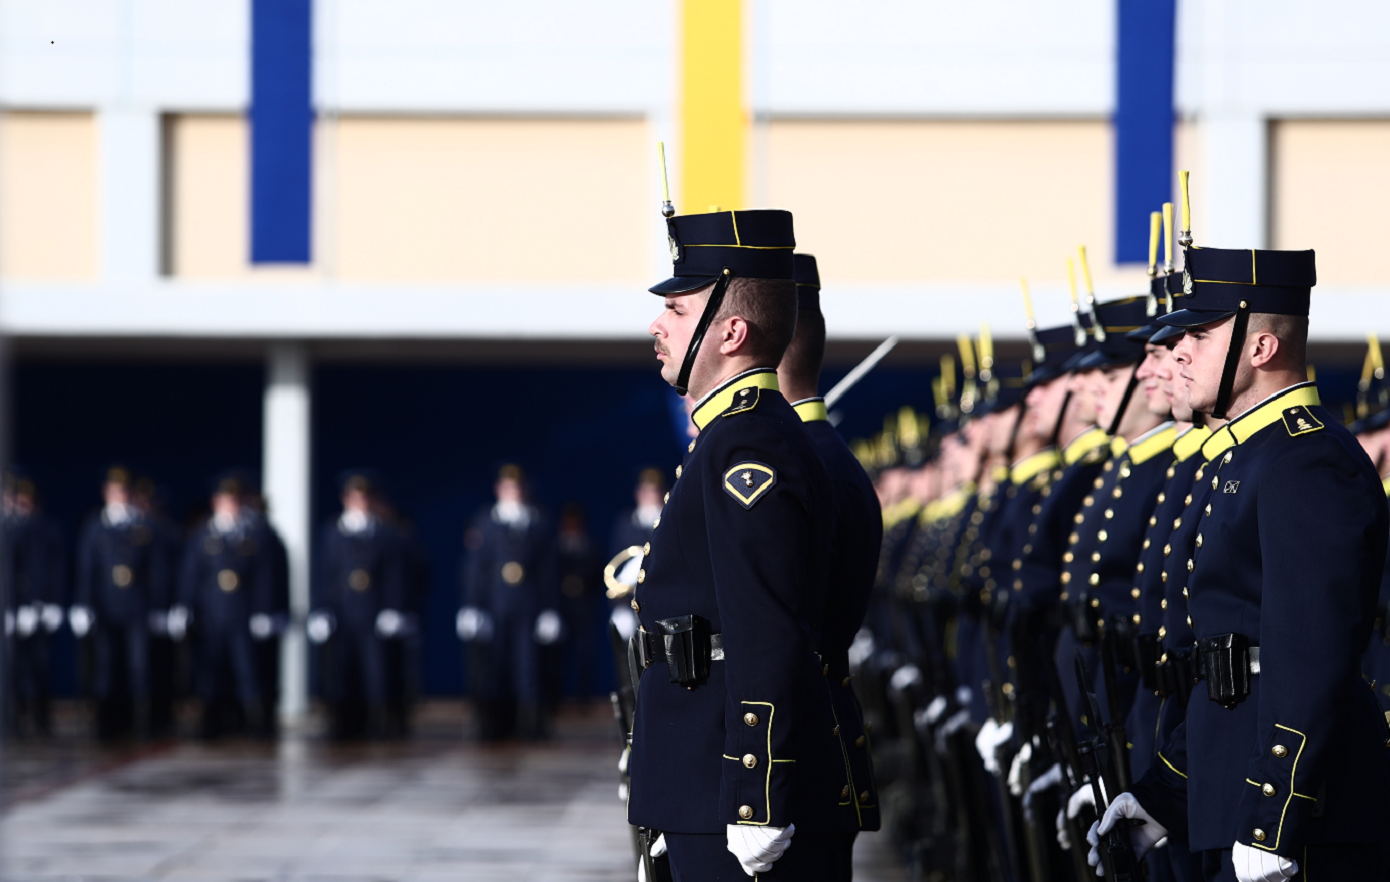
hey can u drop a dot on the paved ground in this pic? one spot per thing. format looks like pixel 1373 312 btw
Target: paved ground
pixel 433 808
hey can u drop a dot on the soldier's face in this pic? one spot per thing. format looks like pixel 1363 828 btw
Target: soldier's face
pixel 1174 391
pixel 672 330
pixel 1155 399
pixel 356 500
pixel 225 504
pixel 1201 357
pixel 1086 387
pixel 116 494
pixel 1045 407
pixel 1109 388
pixel 648 495
pixel 508 490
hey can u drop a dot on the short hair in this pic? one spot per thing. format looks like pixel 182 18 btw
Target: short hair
pixel 769 308
pixel 806 352
pixel 1290 330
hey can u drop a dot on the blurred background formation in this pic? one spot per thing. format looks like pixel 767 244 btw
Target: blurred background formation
pixel 328 385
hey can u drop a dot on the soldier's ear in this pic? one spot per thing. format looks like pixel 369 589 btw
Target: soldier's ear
pixel 735 336
pixel 1265 348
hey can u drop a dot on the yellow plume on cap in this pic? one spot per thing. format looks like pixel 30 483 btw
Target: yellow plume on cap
pixel 907 427
pixel 1167 237
pixel 967 355
pixel 1027 303
pixel 986 348
pixel 1185 237
pixel 1155 227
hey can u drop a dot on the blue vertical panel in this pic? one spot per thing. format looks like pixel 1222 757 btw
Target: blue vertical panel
pixel 1144 118
pixel 281 131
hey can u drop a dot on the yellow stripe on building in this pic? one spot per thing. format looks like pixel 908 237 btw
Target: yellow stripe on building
pixel 714 121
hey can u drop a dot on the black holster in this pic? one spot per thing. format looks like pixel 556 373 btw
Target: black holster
pixel 686 640
pixel 1147 650
pixel 1083 619
pixel 1225 661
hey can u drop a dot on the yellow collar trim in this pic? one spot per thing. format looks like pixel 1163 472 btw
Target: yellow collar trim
pixel 811 409
pixel 1083 444
pixel 949 505
pixel 901 511
pixel 1153 443
pixel 1033 465
pixel 1262 415
pixel 1190 442
pixel 718 401
pixel 1386 485
pixel 1118 446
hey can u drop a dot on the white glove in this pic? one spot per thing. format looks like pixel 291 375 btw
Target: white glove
pixel 1083 796
pixel 80 619
pixel 1063 839
pixel 1016 768
pixel 1144 838
pixel 1256 865
pixel 52 617
pixel 934 709
pixel 991 736
pixel 388 624
pixel 548 628
pixel 1046 781
pixel 758 848
pixel 176 622
pixel 473 624
pixel 657 850
pixel 905 676
pixel 625 620
pixel 261 626
pixel 26 620
pixel 320 626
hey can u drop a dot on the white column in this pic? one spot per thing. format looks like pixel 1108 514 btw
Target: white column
pixel 130 193
pixel 286 467
pixel 1237 180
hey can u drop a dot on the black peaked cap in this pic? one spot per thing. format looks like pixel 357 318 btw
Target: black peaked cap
pixel 756 244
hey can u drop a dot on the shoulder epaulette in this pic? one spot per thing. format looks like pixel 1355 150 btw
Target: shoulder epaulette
pixel 745 399
pixel 1299 420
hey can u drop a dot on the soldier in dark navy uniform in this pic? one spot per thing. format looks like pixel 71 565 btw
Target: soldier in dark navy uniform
pixel 854 558
pixel 510 609
pixel 119 568
pixel 226 578
pixel 33 561
pixel 1373 431
pixel 580 576
pixel 734 748
pixel 268 627
pixel 1280 767
pixel 357 602
pixel 633 527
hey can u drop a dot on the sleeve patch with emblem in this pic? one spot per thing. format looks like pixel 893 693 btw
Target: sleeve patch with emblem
pixel 1300 421
pixel 748 482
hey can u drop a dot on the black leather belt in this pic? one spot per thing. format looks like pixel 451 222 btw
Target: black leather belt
pixel 684 643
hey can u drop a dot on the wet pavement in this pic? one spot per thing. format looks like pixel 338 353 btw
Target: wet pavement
pixel 434 807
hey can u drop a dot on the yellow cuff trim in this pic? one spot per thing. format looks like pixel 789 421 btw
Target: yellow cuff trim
pixel 1170 765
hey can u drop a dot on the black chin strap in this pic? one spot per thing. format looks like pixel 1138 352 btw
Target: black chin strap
pixel 1124 402
pixel 716 299
pixel 1228 372
pixel 1013 435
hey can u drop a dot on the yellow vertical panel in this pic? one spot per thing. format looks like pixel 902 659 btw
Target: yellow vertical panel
pixel 491 199
pixel 714 121
pixel 48 196
pixel 1331 184
pixel 207 175
pixel 890 201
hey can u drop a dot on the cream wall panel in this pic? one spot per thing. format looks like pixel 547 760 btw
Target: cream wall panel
pixel 944 200
pixel 1330 188
pixel 48 196
pixel 209 194
pixel 489 199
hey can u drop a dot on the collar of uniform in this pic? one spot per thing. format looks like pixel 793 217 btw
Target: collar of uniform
pixel 1153 442
pixel 900 511
pixel 718 401
pixel 1083 444
pixel 1032 465
pixel 1386 485
pixel 811 410
pixel 952 503
pixel 1118 446
pixel 1001 474
pixel 1190 442
pixel 1266 413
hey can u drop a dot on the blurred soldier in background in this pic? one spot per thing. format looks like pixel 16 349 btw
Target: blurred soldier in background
pixel 579 590
pixel 402 646
pixel 118 570
pixel 33 581
pixel 169 663
pixel 510 609
pixel 357 604
pixel 225 580
pixel 270 624
pixel 634 526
